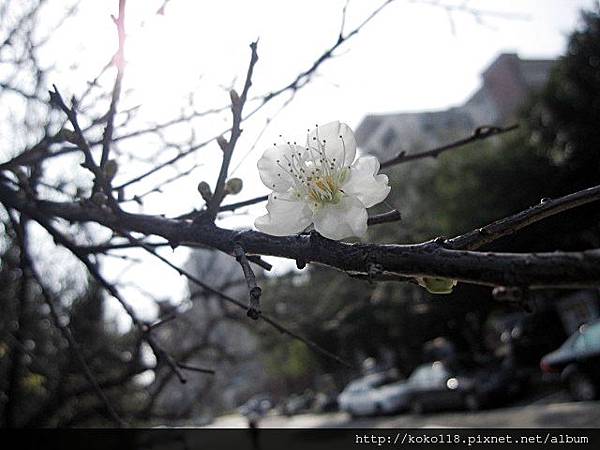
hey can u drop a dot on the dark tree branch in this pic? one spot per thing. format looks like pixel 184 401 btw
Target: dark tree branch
pixel 167 163
pixel 89 163
pixel 210 290
pixel 509 225
pixel 21 233
pixel 138 198
pixel 304 77
pixel 386 217
pixel 252 201
pixel 253 289
pixel 480 133
pixel 160 353
pixel 256 259
pixel 162 322
pixel 100 178
pixel 237 106
pixel 74 347
pixel 104 248
pixel 119 62
pixel 430 259
pixel 195 369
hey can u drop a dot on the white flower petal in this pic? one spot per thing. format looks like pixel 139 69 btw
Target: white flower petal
pixel 346 218
pixel 364 183
pixel 275 175
pixel 341 148
pixel 286 215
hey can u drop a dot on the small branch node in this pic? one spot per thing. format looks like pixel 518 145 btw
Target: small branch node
pixel 300 263
pixel 373 270
pixel 223 143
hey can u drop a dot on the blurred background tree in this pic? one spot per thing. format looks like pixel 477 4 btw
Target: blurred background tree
pixel 41 380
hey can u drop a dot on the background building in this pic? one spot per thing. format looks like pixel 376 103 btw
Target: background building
pixel 506 84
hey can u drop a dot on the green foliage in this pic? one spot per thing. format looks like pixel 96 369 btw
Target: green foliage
pixel 565 119
pixel 291 360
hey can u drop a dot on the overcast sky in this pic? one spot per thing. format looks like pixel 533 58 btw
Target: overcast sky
pixel 412 57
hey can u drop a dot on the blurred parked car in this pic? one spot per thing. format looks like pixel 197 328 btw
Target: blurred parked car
pixel 258 405
pixel 297 403
pixel 379 393
pixel 578 361
pixel 325 402
pixel 435 387
pixel 497 384
pixel 527 337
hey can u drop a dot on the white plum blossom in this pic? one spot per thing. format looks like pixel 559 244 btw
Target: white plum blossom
pixel 320 183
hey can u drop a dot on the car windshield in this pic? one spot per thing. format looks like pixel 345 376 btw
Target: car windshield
pixel 371 381
pixel 429 374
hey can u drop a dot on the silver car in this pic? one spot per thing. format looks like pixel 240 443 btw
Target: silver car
pixel 375 394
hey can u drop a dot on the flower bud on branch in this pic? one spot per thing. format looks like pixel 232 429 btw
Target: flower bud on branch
pixel 235 98
pixel 437 285
pixel 233 186
pixel 222 143
pixel 110 169
pixel 205 191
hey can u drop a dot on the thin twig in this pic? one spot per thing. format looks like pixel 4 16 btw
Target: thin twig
pixel 386 217
pixel 479 134
pixel 139 197
pixel 546 208
pixel 100 180
pixel 295 85
pixel 104 248
pixel 237 106
pixel 195 369
pixel 304 77
pixel 162 322
pixel 160 353
pixel 252 201
pixel 282 329
pixel 89 163
pixel 119 62
pixel 253 289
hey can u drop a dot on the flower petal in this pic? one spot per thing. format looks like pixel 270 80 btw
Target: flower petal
pixel 346 218
pixel 339 141
pixel 275 175
pixel 286 215
pixel 364 183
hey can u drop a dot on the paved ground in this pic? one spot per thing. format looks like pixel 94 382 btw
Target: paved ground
pixel 552 411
